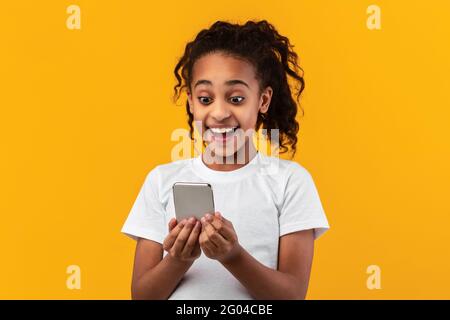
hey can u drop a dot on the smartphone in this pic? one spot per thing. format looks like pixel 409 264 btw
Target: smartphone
pixel 192 199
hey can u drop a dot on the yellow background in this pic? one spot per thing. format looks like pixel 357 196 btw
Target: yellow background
pixel 85 114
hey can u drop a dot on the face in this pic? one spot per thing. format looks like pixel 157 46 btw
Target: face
pixel 225 101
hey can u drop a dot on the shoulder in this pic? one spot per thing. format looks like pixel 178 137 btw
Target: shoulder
pixel 285 170
pixel 174 166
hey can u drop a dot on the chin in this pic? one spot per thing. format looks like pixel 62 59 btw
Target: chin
pixel 228 151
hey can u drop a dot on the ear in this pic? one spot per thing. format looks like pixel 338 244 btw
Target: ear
pixel 266 97
pixel 190 102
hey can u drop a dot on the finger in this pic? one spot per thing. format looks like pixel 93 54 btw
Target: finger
pixel 207 217
pixel 170 239
pixel 172 223
pixel 221 217
pixel 228 232
pixel 193 239
pixel 182 237
pixel 213 235
pixel 217 223
pixel 223 226
pixel 207 246
pixel 209 252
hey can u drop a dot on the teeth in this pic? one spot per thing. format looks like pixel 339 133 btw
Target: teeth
pixel 222 130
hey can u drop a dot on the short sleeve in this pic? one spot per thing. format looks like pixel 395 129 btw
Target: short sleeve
pixel 147 216
pixel 301 208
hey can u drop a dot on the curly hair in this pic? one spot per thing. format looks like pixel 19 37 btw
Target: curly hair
pixel 273 58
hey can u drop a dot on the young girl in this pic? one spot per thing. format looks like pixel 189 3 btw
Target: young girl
pixel 259 243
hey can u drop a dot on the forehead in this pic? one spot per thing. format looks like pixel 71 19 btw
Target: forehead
pixel 218 68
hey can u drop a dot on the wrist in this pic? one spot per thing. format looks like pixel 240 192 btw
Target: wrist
pixel 178 262
pixel 233 257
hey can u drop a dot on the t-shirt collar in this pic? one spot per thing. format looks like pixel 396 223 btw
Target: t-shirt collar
pixel 201 169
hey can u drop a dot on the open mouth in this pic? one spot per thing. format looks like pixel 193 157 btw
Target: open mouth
pixel 222 134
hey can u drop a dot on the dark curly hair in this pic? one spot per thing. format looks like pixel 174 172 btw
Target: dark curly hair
pixel 274 60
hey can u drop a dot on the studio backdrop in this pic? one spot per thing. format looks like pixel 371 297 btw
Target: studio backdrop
pixel 86 112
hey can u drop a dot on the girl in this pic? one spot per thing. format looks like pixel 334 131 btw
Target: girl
pixel 260 242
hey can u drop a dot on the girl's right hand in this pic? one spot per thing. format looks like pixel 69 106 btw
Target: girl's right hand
pixel 182 241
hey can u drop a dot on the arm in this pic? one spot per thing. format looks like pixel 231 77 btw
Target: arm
pixel 219 241
pixel 155 277
pixel 291 279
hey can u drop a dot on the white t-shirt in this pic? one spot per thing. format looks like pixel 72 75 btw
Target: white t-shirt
pixel 265 199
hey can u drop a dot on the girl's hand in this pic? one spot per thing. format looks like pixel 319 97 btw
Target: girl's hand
pixel 218 240
pixel 182 241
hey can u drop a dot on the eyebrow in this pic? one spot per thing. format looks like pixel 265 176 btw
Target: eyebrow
pixel 228 83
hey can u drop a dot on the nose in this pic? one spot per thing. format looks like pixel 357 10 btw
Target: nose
pixel 219 111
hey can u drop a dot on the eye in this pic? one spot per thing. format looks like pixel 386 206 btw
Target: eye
pixel 204 100
pixel 236 99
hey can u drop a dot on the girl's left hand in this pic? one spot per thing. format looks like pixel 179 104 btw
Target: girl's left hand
pixel 218 239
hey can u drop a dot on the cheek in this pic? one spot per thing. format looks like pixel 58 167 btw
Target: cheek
pixel 247 120
pixel 248 114
pixel 198 112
